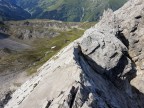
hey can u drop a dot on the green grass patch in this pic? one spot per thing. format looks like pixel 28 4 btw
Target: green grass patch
pixel 44 51
pixel 31 60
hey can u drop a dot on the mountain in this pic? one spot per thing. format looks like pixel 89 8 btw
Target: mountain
pixel 64 10
pixel 10 11
pixel 102 69
pixel 26 45
pixel 69 10
pixel 11 1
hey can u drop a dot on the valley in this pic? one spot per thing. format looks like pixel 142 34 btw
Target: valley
pixel 27 45
pixel 63 10
pixel 67 10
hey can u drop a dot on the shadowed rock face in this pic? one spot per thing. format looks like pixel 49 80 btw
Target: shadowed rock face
pixel 102 69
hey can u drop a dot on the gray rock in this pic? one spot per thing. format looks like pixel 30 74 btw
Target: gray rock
pixel 95 71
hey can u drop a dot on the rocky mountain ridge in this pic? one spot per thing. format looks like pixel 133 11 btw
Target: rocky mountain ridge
pixel 102 69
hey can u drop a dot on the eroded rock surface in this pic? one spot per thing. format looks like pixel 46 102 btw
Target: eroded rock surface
pixel 102 69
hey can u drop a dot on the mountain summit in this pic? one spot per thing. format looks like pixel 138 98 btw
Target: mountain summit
pixel 102 69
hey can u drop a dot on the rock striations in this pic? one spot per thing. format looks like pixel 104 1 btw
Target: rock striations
pixel 102 69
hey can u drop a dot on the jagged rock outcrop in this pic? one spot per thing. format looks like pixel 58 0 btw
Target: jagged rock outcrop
pixel 102 69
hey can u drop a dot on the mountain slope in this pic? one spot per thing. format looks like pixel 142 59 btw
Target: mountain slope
pixel 28 45
pixel 10 11
pixel 69 10
pixel 102 69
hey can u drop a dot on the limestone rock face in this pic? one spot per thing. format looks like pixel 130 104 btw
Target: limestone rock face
pixel 102 69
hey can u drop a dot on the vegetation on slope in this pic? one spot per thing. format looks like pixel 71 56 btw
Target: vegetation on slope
pixel 47 48
pixel 69 10
pixel 42 50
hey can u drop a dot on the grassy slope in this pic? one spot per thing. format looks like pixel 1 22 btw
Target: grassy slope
pixel 70 10
pixel 33 59
pixel 44 51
